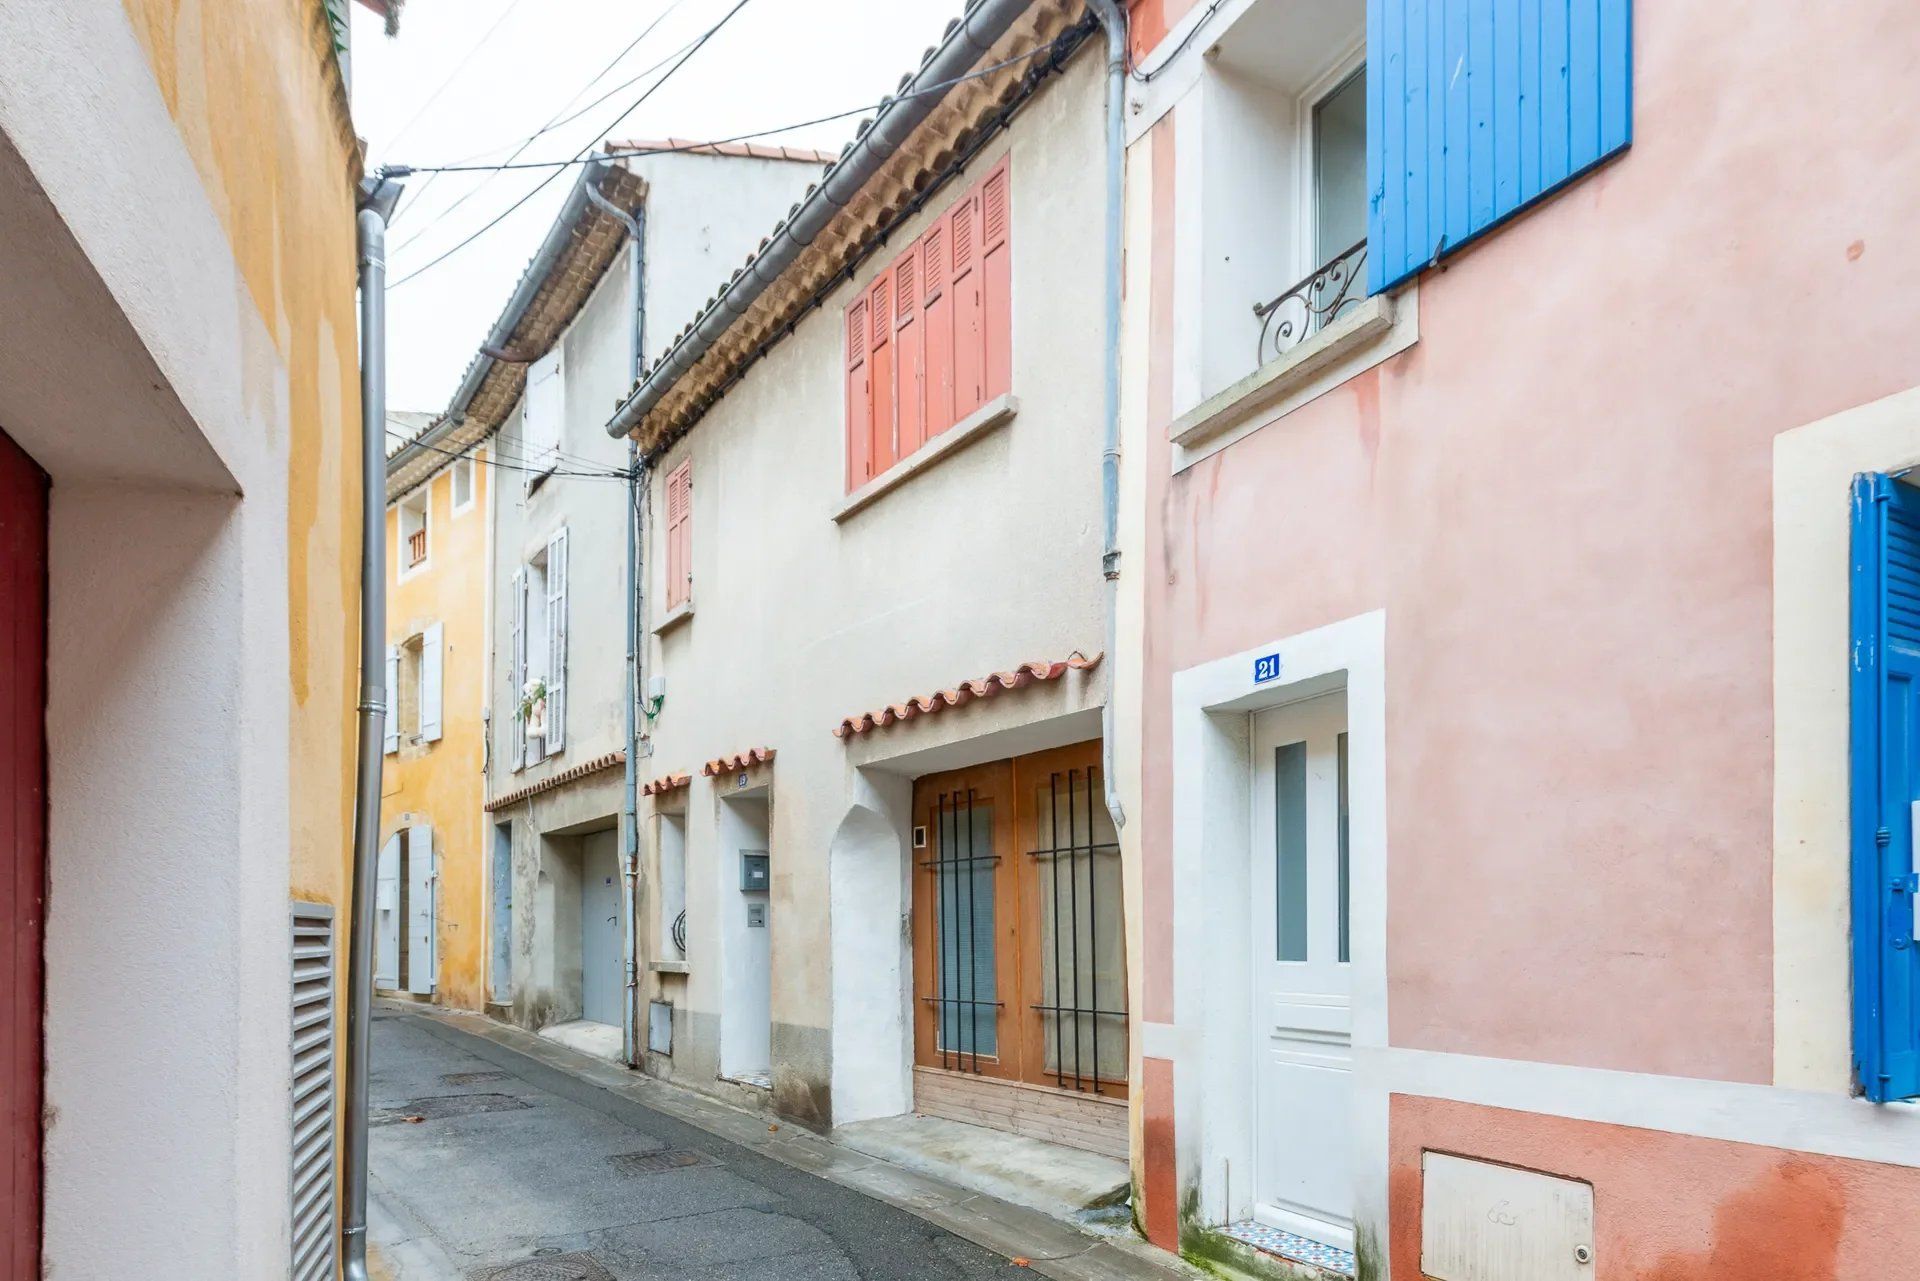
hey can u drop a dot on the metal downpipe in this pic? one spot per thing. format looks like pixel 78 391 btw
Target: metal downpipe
pixel 377 198
pixel 629 797
pixel 1114 19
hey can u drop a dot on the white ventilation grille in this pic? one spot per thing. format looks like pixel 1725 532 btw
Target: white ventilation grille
pixel 313 1093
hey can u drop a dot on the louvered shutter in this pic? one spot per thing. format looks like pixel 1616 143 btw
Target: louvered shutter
pixel 882 450
pixel 392 719
pixel 433 646
pixel 963 277
pixel 556 736
pixel 936 322
pixel 313 1094
pixel 996 282
pixel 422 964
pixel 1885 785
pixel 909 355
pixel 680 535
pixel 517 667
pixel 386 908
pixel 859 400
pixel 1475 111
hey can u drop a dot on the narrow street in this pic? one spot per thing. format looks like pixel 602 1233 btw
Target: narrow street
pixel 489 1164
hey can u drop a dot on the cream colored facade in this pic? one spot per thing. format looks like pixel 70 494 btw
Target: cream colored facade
pixel 807 610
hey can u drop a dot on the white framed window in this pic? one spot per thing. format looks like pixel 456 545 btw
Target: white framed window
pixel 462 484
pixel 672 846
pixel 412 548
pixel 539 653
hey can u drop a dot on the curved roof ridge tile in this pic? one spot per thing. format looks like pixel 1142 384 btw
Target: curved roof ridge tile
pixel 1028 673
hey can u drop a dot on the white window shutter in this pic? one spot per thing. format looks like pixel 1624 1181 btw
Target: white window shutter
pixel 386 952
pixel 517 669
pixel 433 647
pixel 422 945
pixel 540 421
pixel 557 642
pixel 393 699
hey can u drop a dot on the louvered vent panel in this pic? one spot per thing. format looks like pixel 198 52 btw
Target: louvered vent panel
pixel 963 233
pixel 857 330
pixel 935 254
pixel 1903 578
pixel 993 201
pixel 879 332
pixel 905 296
pixel 313 1093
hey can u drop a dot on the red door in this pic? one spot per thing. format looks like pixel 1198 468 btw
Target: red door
pixel 23 831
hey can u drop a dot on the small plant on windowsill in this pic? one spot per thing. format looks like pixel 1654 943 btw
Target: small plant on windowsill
pixel 533 707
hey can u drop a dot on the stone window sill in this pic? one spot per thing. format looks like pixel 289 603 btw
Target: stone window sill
pixel 995 412
pixel 669 967
pixel 1379 327
pixel 677 615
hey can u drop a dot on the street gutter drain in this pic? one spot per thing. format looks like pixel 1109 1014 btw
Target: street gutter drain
pixel 557 1267
pixel 442 1106
pixel 659 1162
pixel 473 1078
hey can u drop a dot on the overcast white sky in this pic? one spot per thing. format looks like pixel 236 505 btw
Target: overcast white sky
pixel 479 76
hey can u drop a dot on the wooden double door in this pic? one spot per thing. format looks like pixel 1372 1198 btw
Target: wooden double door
pixel 1018 930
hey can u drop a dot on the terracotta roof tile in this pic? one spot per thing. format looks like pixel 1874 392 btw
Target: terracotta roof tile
pixel 561 779
pixel 965 692
pixel 738 761
pixel 666 783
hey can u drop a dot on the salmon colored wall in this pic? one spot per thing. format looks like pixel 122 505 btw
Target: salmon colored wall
pixel 1671 1207
pixel 1561 497
pixel 443 783
pixel 1149 22
pixel 257 97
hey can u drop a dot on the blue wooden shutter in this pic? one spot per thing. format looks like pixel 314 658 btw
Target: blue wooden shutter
pixel 1478 108
pixel 1885 782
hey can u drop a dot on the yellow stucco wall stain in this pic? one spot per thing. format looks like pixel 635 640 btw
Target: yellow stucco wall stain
pixel 442 783
pixel 256 95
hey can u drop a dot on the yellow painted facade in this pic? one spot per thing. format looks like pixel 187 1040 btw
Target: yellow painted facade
pixel 258 99
pixel 442 783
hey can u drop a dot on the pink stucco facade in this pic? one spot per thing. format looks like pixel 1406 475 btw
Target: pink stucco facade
pixel 1561 498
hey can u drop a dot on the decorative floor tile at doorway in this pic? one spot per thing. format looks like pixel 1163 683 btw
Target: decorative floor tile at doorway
pixel 1289 1245
pixel 758 1080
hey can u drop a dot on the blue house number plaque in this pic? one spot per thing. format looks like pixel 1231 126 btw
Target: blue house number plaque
pixel 1266 668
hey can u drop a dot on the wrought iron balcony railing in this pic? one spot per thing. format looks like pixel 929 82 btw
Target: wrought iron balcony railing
pixel 1313 304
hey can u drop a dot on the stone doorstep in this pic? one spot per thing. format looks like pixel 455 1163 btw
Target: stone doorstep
pixel 1054 1248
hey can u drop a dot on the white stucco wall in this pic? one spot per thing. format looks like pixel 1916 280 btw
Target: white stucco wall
pixel 703 213
pixel 986 559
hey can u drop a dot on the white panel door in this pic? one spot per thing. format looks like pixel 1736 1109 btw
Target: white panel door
pixel 386 917
pixel 420 932
pixel 1303 1180
pixel 602 976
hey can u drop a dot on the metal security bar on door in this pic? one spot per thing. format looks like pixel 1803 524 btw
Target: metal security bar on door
pixel 965 870
pixel 1080 874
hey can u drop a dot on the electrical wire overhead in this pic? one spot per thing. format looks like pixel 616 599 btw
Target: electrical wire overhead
pixel 650 90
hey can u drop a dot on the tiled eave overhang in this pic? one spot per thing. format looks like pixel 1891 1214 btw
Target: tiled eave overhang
pixel 571 774
pixel 593 238
pixel 666 783
pixel 910 175
pixel 738 761
pixel 965 692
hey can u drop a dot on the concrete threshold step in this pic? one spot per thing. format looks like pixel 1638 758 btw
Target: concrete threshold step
pixel 1047 1243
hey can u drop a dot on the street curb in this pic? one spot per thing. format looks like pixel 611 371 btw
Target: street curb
pixel 1052 1248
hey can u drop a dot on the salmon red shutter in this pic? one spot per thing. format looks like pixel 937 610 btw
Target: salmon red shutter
pixel 909 353
pixel 680 535
pixel 996 283
pixel 936 312
pixel 880 372
pixel 969 341
pixel 859 399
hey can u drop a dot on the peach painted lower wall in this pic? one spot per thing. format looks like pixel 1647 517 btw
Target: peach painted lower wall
pixel 1159 1176
pixel 1670 1207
